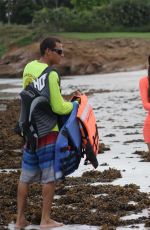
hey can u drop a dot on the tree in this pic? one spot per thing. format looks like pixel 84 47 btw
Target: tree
pixel 6 10
pixel 88 4
pixel 22 11
pixel 53 3
pixel 83 4
pixel 3 17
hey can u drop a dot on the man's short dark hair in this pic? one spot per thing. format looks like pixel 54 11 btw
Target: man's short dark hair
pixel 49 43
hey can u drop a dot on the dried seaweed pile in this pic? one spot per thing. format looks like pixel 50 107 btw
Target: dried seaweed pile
pixel 78 200
pixel 8 118
pixel 143 155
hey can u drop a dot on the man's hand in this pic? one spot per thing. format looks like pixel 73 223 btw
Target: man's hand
pixel 77 93
pixel 76 96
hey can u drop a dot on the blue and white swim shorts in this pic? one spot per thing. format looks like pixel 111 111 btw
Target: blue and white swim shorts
pixel 39 166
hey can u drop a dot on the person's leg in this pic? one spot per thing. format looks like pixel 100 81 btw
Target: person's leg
pixel 30 173
pixel 21 203
pixel 148 144
pixel 48 194
pixel 46 155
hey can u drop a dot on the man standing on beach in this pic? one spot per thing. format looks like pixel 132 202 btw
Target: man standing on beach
pixel 39 166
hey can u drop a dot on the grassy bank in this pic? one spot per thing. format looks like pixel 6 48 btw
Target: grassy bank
pixel 91 36
pixel 18 35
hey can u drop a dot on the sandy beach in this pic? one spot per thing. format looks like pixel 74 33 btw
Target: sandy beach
pixel 114 196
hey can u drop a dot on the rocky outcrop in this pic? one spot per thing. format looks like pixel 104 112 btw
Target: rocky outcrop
pixel 83 57
pixel 13 62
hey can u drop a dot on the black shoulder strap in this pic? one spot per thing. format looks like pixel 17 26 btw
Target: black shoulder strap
pixel 47 70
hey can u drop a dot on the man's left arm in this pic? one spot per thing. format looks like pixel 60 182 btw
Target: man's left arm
pixel 58 104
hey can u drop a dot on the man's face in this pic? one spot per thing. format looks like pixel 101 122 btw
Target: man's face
pixel 56 54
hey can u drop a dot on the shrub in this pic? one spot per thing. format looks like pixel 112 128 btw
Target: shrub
pixel 119 15
pixel 130 13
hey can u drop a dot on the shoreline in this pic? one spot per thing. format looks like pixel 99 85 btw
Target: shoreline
pixel 11 90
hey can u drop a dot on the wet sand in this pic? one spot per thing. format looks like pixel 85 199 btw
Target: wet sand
pixel 93 197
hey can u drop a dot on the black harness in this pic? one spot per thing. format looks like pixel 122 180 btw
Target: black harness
pixel 36 116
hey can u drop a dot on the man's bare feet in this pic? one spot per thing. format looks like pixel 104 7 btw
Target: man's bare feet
pixel 50 224
pixel 21 224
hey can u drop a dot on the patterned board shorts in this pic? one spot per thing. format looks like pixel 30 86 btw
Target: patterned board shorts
pixel 39 166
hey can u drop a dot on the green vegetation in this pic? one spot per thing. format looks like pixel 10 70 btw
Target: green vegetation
pixel 78 15
pixel 14 35
pixel 18 35
pixel 11 33
pixel 111 16
pixel 25 21
pixel 91 36
pixel 2 50
pixel 88 4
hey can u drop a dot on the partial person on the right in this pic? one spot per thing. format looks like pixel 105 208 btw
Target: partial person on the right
pixel 144 85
